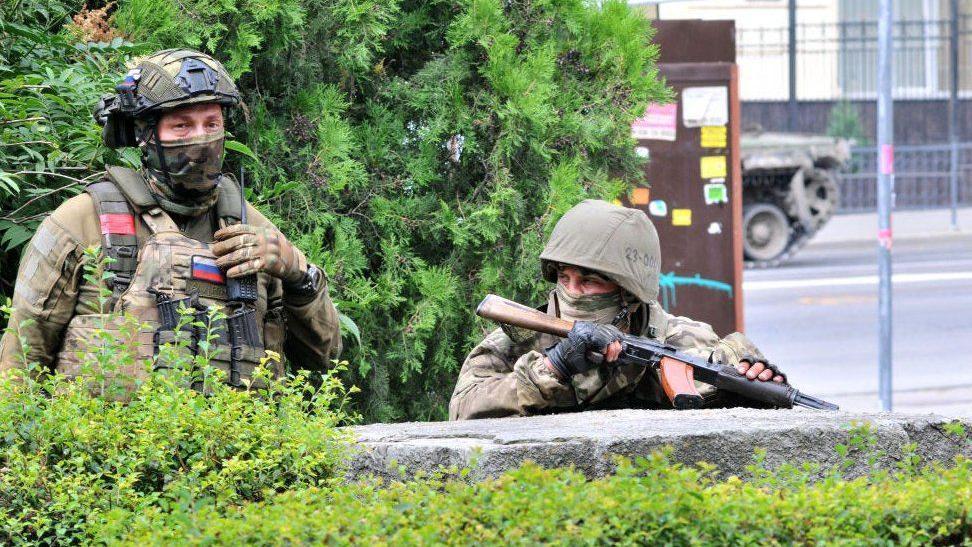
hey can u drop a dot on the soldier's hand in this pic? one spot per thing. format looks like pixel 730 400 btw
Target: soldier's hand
pixel 569 356
pixel 755 368
pixel 243 249
pixel 613 351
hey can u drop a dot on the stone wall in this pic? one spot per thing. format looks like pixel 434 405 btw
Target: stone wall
pixel 587 440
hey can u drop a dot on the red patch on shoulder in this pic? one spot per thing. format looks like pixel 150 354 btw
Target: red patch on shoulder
pixel 117 223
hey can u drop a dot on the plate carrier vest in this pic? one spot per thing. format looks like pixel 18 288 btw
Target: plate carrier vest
pixel 168 267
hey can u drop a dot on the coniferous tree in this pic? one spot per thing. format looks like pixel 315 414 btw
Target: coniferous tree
pixel 420 151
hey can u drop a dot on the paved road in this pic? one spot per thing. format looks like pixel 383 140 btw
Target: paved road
pixel 817 316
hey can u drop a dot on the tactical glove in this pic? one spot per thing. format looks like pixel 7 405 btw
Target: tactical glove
pixel 569 356
pixel 752 360
pixel 242 249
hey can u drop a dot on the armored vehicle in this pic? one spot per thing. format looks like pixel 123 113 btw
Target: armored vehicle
pixel 789 191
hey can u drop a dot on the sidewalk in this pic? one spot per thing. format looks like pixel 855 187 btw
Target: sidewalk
pixel 946 401
pixel 906 225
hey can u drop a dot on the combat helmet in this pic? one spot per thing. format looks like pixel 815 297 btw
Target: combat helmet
pixel 618 242
pixel 161 82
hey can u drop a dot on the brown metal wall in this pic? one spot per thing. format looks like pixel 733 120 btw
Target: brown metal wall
pixel 701 260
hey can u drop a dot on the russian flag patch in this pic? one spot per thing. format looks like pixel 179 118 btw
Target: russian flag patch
pixel 205 269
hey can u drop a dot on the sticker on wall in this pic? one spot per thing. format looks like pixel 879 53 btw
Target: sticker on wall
pixel 713 167
pixel 715 193
pixel 713 136
pixel 715 228
pixel 658 208
pixel 640 196
pixel 642 152
pixel 681 217
pixel 703 106
pixel 658 123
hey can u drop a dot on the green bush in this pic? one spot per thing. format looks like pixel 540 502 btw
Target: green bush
pixel 49 84
pixel 213 465
pixel 177 467
pixel 73 452
pixel 419 151
pixel 649 502
pixel 844 121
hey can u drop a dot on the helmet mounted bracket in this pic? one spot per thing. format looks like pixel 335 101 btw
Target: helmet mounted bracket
pixel 196 77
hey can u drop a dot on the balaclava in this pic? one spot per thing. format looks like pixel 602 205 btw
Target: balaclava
pixel 599 308
pixel 183 174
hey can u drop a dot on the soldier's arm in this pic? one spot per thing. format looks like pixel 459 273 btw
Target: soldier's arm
pixel 699 339
pixel 313 330
pixel 313 333
pixel 496 382
pixel 46 290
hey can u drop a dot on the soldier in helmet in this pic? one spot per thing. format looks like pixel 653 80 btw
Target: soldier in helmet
pixel 173 231
pixel 605 261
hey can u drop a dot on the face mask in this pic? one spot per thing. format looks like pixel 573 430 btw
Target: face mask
pixel 599 308
pixel 183 173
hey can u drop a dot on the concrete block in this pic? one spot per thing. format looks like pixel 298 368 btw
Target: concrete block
pixel 588 441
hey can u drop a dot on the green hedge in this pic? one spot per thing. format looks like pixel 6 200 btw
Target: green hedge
pixel 651 502
pixel 175 465
pixel 73 452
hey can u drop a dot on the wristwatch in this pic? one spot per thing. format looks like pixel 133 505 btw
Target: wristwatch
pixel 306 286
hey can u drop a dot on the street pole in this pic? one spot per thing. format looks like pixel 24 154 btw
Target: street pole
pixel 953 136
pixel 791 122
pixel 885 194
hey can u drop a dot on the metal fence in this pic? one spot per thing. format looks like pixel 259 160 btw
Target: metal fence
pixel 924 178
pixel 838 60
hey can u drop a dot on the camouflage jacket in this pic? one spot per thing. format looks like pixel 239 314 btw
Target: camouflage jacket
pixel 501 377
pixel 51 290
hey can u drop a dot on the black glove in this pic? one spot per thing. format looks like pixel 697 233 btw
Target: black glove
pixel 569 356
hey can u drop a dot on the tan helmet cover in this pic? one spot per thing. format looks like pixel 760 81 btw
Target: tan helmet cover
pixel 616 241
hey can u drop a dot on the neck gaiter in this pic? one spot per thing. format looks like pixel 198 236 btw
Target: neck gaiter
pixel 183 173
pixel 599 308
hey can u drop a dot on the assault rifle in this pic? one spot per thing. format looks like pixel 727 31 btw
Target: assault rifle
pixel 678 370
pixel 242 291
pixel 198 328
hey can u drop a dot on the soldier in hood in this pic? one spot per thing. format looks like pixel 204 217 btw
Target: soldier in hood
pixel 605 261
pixel 172 230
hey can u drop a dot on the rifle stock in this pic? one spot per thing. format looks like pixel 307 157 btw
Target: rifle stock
pixel 678 371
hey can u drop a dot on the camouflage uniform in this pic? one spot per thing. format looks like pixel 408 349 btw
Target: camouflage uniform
pixel 507 377
pixel 57 311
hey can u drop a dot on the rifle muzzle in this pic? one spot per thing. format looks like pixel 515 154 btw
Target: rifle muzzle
pixel 780 395
pixel 813 402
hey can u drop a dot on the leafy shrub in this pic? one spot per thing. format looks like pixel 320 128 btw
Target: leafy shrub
pixel 176 467
pixel 50 82
pixel 214 465
pixel 72 453
pixel 844 121
pixel 649 502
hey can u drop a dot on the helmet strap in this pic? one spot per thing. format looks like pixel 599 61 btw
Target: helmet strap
pixel 624 317
pixel 154 132
pixel 621 316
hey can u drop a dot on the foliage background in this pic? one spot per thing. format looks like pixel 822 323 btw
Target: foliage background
pixel 420 151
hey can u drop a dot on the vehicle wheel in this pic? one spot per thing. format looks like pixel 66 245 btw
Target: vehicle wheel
pixel 766 232
pixel 822 196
